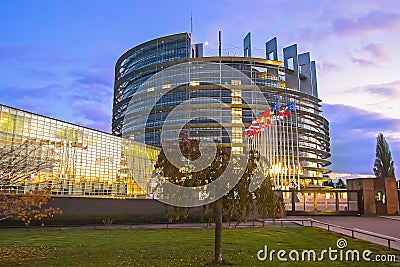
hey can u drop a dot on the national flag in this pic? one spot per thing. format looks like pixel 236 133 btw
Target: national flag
pixel 265 121
pixel 284 111
pixel 259 123
pixel 266 113
pixel 275 109
pixel 265 118
pixel 249 132
pixel 292 107
pixel 255 126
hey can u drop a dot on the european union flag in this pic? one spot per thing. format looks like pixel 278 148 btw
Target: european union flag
pixel 292 107
pixel 275 109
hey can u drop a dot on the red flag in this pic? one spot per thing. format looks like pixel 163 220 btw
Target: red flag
pixel 284 111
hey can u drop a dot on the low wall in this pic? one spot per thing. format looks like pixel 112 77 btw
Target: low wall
pixel 83 206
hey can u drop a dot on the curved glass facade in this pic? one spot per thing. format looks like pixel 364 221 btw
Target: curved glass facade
pixel 278 82
pixel 140 63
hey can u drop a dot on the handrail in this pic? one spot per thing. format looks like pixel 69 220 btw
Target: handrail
pixel 377 235
pixel 356 230
pixel 389 239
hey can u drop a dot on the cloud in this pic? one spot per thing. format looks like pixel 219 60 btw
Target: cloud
pixel 38 92
pixel 369 55
pixel 382 91
pixel 377 50
pixel 389 91
pixel 23 54
pixel 379 98
pixel 345 24
pixel 326 67
pixel 353 133
pixel 93 76
pixel 85 102
pixel 91 110
pixel 364 62
pixel 91 98
pixel 372 21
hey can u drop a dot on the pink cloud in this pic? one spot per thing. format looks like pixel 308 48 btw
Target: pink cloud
pixel 364 62
pixel 328 66
pixel 373 21
pixel 378 50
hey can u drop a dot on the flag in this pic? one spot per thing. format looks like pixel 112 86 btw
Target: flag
pixel 249 132
pixel 265 118
pixel 292 107
pixel 265 121
pixel 266 113
pixel 259 123
pixel 255 126
pixel 275 109
pixel 284 111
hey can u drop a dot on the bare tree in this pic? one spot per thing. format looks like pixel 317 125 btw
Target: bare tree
pixel 19 162
pixel 384 166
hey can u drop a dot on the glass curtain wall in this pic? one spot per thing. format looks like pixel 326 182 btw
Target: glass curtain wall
pixel 86 162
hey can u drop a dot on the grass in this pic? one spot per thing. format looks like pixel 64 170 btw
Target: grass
pixel 164 247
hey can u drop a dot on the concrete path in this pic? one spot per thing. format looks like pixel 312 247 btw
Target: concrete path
pixel 248 224
pixel 387 226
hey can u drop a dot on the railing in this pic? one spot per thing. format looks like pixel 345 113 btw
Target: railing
pixel 355 230
pixel 313 222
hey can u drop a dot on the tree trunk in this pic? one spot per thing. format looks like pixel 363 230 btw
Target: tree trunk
pixel 218 231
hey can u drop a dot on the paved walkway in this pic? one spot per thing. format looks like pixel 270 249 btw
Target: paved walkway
pixel 386 226
pixel 248 224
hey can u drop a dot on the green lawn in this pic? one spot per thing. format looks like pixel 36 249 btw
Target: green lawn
pixel 164 247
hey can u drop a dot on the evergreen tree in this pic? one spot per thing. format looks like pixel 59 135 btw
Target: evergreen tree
pixel 384 166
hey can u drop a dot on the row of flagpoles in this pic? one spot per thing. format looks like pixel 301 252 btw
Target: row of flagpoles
pixel 276 139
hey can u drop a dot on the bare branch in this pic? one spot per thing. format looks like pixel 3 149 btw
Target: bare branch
pixel 19 161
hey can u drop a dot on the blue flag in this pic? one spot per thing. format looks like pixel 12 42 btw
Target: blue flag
pixel 275 109
pixel 292 107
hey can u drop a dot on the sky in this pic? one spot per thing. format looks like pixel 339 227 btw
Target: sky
pixel 57 58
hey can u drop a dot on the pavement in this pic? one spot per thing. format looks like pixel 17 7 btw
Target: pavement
pixel 165 225
pixel 383 226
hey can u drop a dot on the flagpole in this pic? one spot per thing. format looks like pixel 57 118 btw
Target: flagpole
pixel 280 153
pixel 298 154
pixel 276 149
pixel 292 143
pixel 268 149
pixel 263 145
pixel 272 144
pixel 285 151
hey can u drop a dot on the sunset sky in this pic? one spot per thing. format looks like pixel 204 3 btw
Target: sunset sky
pixel 57 57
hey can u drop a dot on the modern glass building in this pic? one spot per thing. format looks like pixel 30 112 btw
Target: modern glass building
pixel 84 162
pixel 282 81
pixel 162 74
pixel 138 64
